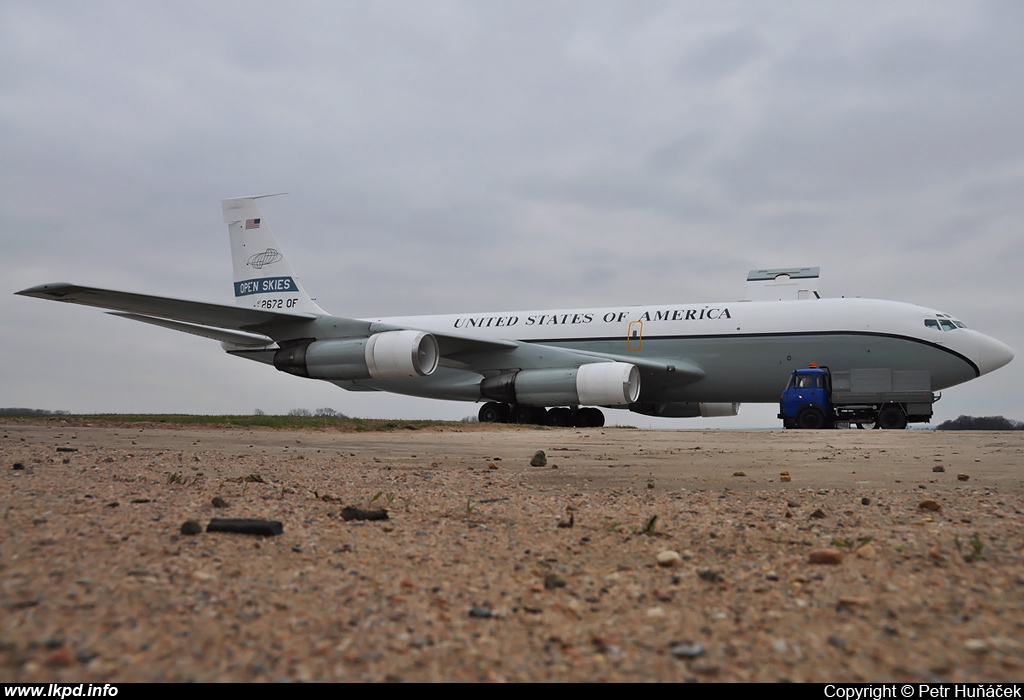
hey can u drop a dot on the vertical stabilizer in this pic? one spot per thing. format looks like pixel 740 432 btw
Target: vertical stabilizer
pixel 263 278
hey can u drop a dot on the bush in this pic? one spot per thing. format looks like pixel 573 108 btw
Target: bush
pixel 981 423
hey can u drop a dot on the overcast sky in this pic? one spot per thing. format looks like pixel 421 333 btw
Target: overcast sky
pixel 470 156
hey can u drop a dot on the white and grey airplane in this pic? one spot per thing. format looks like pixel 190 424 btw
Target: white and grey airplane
pixel 558 366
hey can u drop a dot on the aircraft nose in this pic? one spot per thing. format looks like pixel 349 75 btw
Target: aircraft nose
pixel 992 354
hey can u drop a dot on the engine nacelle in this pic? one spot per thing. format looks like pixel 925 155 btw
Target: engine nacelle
pixel 686 409
pixel 388 355
pixel 595 384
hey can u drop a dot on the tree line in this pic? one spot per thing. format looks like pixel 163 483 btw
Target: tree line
pixel 981 423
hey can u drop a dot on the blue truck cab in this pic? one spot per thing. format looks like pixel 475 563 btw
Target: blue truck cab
pixel 806 401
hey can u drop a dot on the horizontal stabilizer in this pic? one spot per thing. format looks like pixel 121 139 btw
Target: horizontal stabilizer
pixel 197 312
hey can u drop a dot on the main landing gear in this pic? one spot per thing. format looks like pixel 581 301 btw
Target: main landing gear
pixel 495 412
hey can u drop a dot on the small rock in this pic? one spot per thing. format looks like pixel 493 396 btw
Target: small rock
pixel 818 514
pixel 938 468
pixel 18 466
pixel 60 658
pixel 866 551
pixel 710 575
pixel 962 477
pixel 191 527
pixel 978 646
pixel 739 473
pixel 551 582
pixel 865 501
pixel 668 558
pixel 828 555
pixel 539 459
pixel 219 502
pixel 929 505
pixel 492 465
pixel 355 513
pixel 785 477
pixel 687 650
pixel 477 611
pixel 246 526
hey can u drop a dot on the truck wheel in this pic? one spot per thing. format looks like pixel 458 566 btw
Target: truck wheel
pixel 810 419
pixel 892 418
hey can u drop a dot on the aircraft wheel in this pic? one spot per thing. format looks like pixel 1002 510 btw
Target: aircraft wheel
pixel 892 418
pixel 588 418
pixel 527 415
pixel 561 417
pixel 811 419
pixel 493 412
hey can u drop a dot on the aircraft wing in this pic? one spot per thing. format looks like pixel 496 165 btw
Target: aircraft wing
pixel 195 312
pixel 489 356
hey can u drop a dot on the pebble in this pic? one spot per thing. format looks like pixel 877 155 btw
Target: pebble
pixel 929 505
pixel 191 527
pixel 539 459
pixel 866 551
pixel 687 650
pixel 828 555
pixel 668 558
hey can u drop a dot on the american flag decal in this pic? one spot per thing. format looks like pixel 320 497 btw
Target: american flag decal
pixel 252 223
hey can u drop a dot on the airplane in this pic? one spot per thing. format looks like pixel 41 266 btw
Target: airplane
pixel 559 367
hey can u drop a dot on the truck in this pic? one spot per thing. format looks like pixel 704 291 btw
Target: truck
pixel 882 398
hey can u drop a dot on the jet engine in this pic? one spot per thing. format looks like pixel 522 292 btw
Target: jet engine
pixel 679 409
pixel 596 384
pixel 388 355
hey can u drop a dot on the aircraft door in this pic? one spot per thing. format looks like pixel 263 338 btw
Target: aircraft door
pixel 635 337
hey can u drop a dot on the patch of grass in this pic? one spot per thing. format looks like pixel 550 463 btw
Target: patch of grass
pixel 265 421
pixel 851 544
pixel 339 423
pixel 179 478
pixel 977 552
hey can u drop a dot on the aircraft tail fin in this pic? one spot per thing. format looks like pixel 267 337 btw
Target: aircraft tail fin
pixel 262 275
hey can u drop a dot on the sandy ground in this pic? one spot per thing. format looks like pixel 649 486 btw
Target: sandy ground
pixel 877 556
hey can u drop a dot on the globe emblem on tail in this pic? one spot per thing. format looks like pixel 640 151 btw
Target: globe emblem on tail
pixel 267 257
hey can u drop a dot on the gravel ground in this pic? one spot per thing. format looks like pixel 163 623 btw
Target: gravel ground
pixel 629 556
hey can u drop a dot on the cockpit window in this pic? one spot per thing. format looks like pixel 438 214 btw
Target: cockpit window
pixel 943 323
